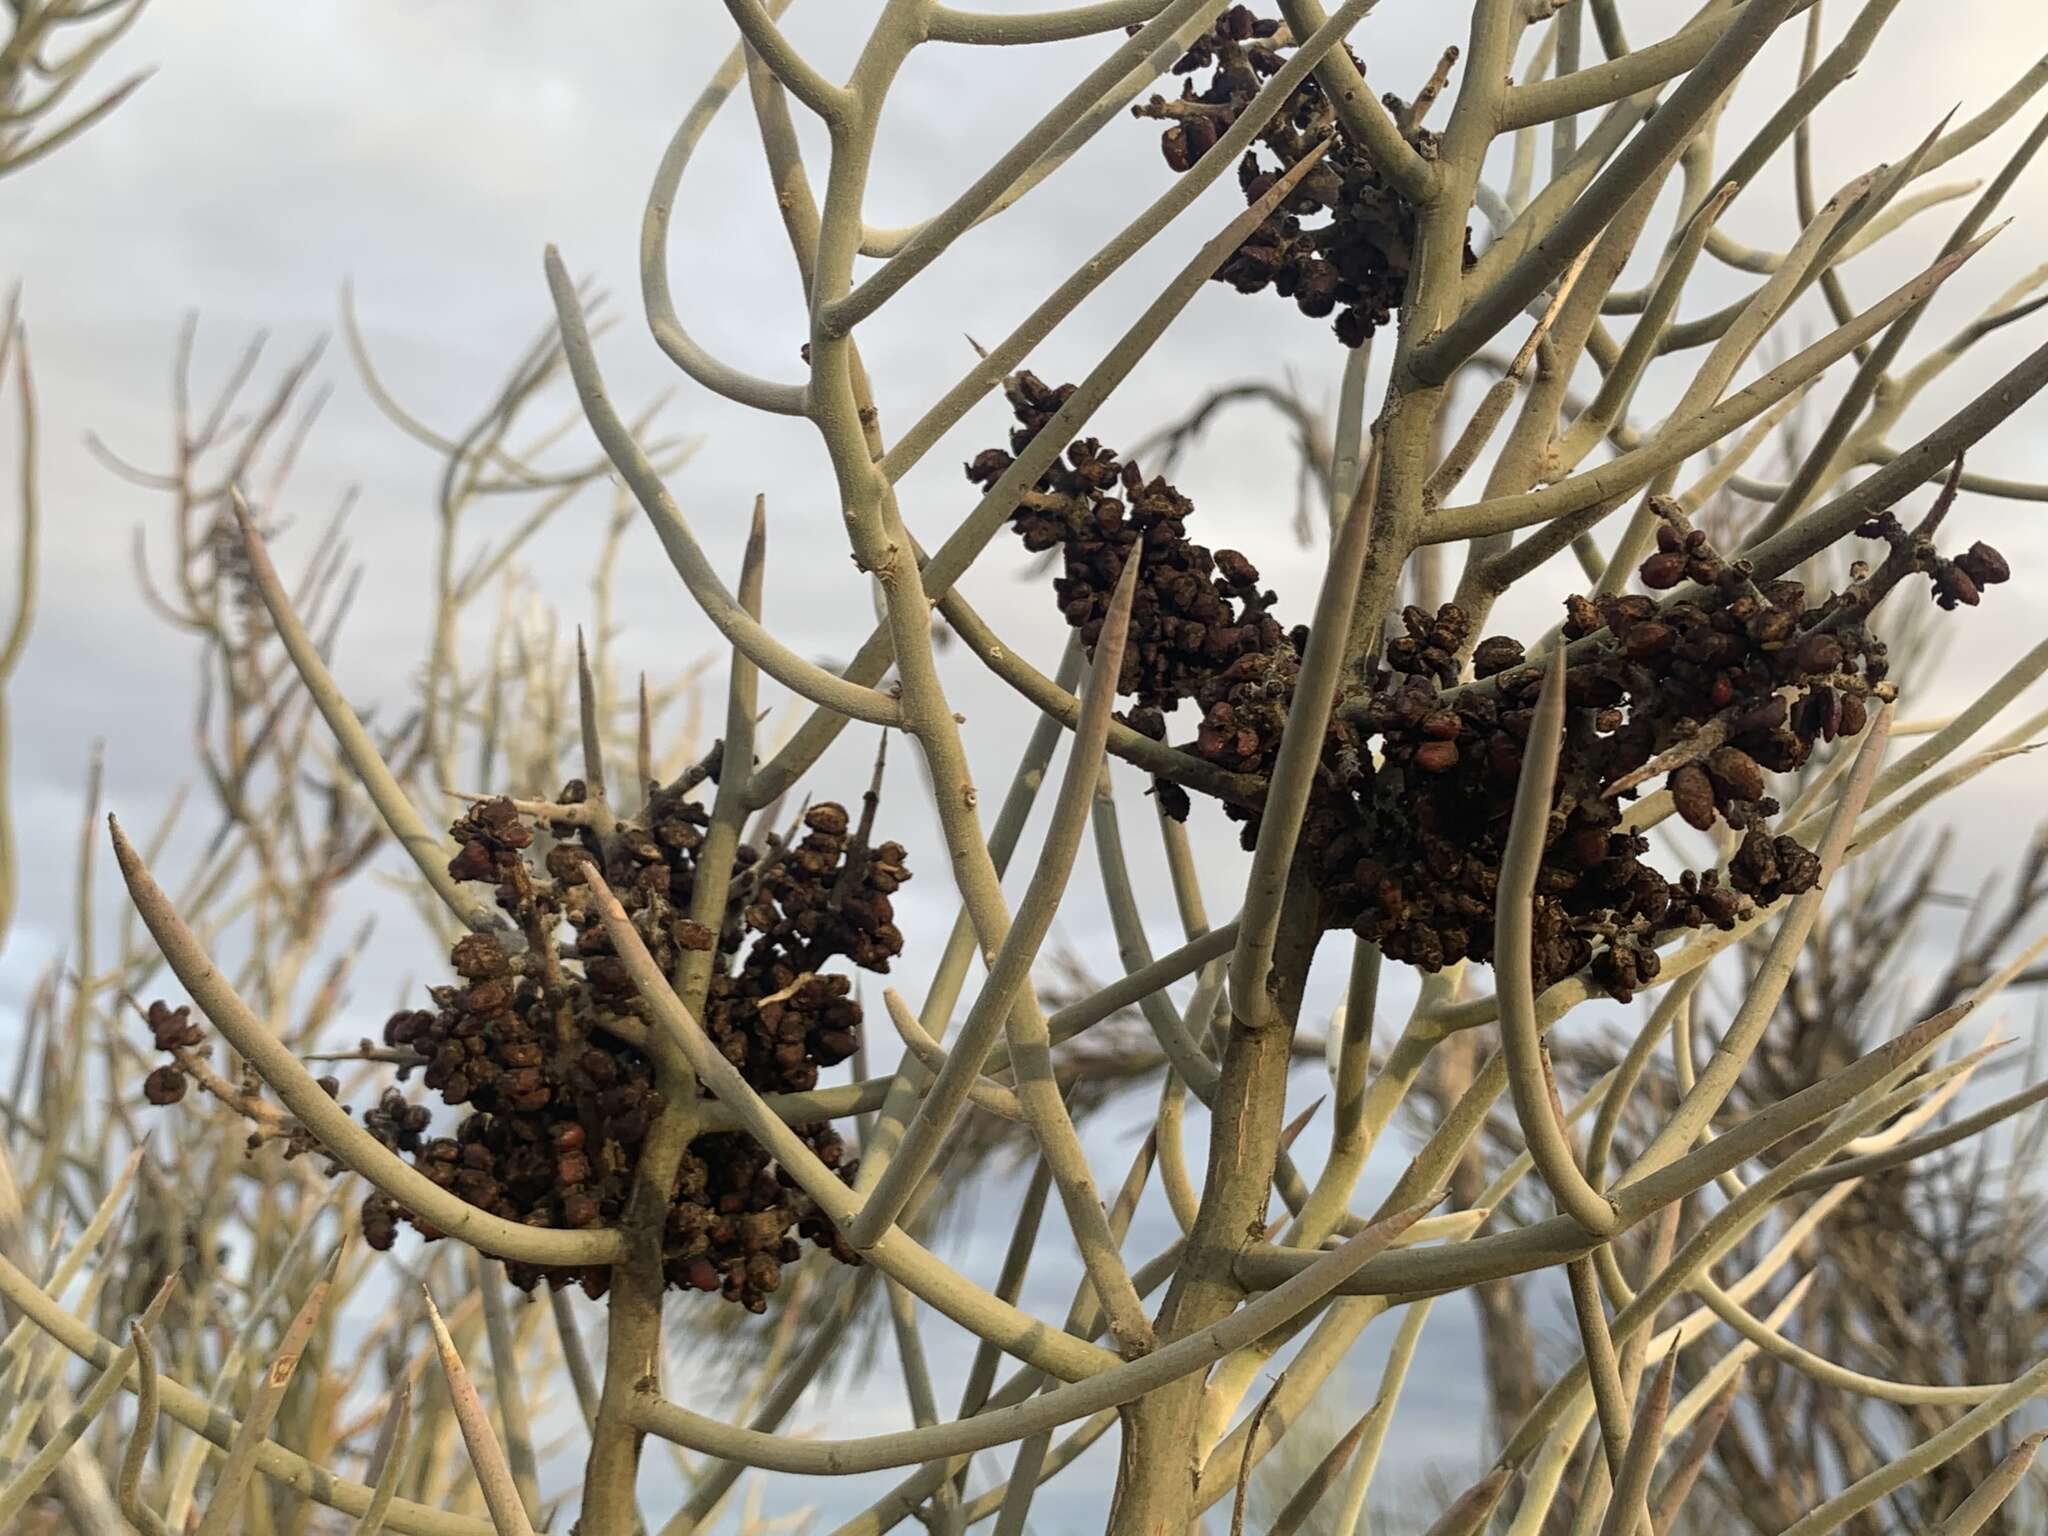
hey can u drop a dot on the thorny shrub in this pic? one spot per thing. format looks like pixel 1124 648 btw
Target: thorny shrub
pixel 1705 683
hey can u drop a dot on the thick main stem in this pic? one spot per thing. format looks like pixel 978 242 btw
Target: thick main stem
pixel 639 1285
pixel 1159 1466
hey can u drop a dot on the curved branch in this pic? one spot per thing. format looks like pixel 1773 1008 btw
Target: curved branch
pixel 1122 1384
pixel 1529 1079
pixel 128 1485
pixel 935 235
pixel 944 24
pixel 32 1474
pixel 719 377
pixel 746 633
pixel 1829 1373
pixel 757 25
pixel 330 1124
pixel 983 1091
pixel 1585 90
pixel 882 242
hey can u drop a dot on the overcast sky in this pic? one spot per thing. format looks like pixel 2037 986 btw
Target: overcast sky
pixel 428 152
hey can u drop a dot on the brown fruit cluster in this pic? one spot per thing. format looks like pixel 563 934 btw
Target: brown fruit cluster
pixel 171 1030
pixel 1201 627
pixel 1715 694
pixel 1354 263
pixel 559 1104
pixel 1708 693
pixel 1962 582
pixel 1953 583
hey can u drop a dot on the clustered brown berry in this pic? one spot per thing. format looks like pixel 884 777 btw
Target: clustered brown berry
pixel 1709 692
pixel 1953 583
pixel 1201 627
pixel 171 1030
pixel 1354 264
pixel 559 1105
pixel 1721 691
pixel 536 1043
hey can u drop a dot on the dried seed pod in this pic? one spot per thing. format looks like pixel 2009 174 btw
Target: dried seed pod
pixel 1437 756
pixel 172 1029
pixel 1692 793
pixel 1408 819
pixel 1735 774
pixel 1817 652
pixel 1664 569
pixel 1953 586
pixel 1854 716
pixel 1984 565
pixel 479 957
pixel 1496 653
pixel 1648 639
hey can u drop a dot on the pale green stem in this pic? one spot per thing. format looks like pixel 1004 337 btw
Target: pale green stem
pixel 1971 1515
pixel 1760 1001
pixel 1680 440
pixel 1108 1389
pixel 936 234
pixel 506 1386
pixel 23 1486
pixel 1299 760
pixel 1529 1083
pixel 1002 1000
pixel 1628 1512
pixel 429 852
pixel 1559 1238
pixel 392 1439
pixel 135 1456
pixel 224 1511
pixel 948 25
pixel 1923 1458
